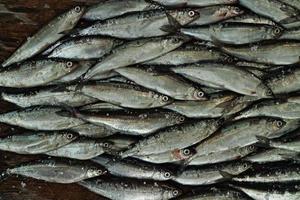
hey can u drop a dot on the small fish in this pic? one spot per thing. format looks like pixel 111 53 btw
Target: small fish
pixel 251 18
pixel 40 118
pixel 100 107
pixel 57 171
pixel 168 84
pixel 135 124
pixel 36 73
pixel 114 8
pixel 135 52
pixel 81 149
pixel 125 95
pixel 173 156
pixel 233 34
pixel 225 76
pixel 36 142
pixel 46 36
pixel 293 145
pixel 133 169
pixel 84 48
pixel 174 138
pixel 51 97
pixel 93 131
pixel 211 174
pixel 126 189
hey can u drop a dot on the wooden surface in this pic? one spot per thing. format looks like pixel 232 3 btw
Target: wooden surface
pixel 20 19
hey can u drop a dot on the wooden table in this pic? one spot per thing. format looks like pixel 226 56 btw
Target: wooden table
pixel 20 19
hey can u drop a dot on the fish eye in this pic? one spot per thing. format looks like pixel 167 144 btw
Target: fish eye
pixel 175 192
pixel 251 147
pixel 175 40
pixel 167 174
pixel 191 13
pixel 165 98
pixel 186 152
pixel 69 136
pixel 181 119
pixel 200 94
pixel 236 9
pixel 77 9
pixel 99 171
pixel 279 123
pixel 69 64
pixel 245 165
pixel 277 31
pixel 269 92
pixel 106 145
pixel 229 59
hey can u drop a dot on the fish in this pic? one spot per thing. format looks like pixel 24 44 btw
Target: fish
pixel 223 156
pixel 214 14
pixel 225 76
pixel 274 9
pixel 93 131
pixel 285 81
pixel 241 133
pixel 272 108
pixel 173 156
pixel 100 107
pixel 120 143
pixel 177 137
pixel 133 168
pixel 126 189
pixel 135 52
pixel 218 105
pixel 36 73
pixel 51 97
pixel 49 34
pixel 169 84
pixel 250 18
pixel 141 24
pixel 195 3
pixel 57 171
pixel 83 149
pixel 270 194
pixel 294 3
pixel 211 174
pixel 294 99
pixel 125 95
pixel 293 145
pixel 291 35
pixel 85 48
pixel 36 142
pixel 40 118
pixel 234 34
pixel 278 53
pixel 190 54
pixel 272 175
pixel 273 155
pixel 141 124
pixel 114 8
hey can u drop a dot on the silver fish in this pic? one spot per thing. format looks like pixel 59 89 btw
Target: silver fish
pixel 168 84
pixel 173 156
pixel 133 168
pixel 81 149
pixel 40 118
pixel 141 25
pixel 225 76
pixel 211 174
pixel 189 54
pixel 54 97
pixel 100 107
pixel 125 95
pixel 46 36
pixel 93 131
pixel 120 189
pixel 57 171
pixel 293 145
pixel 36 142
pixel 250 18
pixel 84 48
pixel 135 52
pixel 223 156
pixel 36 73
pixel 140 124
pixel 174 138
pixel 195 3
pixel 232 34
pixel 114 8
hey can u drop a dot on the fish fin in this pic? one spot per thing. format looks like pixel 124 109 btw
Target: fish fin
pixel 262 141
pixel 173 25
pixel 226 175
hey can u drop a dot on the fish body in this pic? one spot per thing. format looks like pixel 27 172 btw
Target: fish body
pixel 93 131
pixel 100 107
pixel 251 18
pixel 195 3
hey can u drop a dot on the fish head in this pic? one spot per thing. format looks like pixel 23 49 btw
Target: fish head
pixel 164 100
pixel 264 91
pixel 196 94
pixel 273 124
pixel 70 136
pixel 184 16
pixel 163 174
pixel 276 32
pixel 171 192
pixel 247 149
pixel 70 66
pixel 175 41
pixel 237 168
pixel 226 12
pixel 94 171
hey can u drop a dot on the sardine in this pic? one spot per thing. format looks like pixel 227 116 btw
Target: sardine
pixel 120 189
pixel 36 142
pixel 52 97
pixel 234 34
pixel 211 174
pixel 125 95
pixel 251 18
pixel 36 73
pixel 133 168
pixel 93 131
pixel 57 171
pixel 135 52
pixel 40 118
pixel 174 138
pixel 225 76
pixel 168 84
pixel 114 8
pixel 46 36
pixel 84 48
pixel 135 124
pixel 81 149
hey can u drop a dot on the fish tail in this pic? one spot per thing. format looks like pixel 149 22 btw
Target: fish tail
pixel 173 26
pixel 226 175
pixel 262 141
